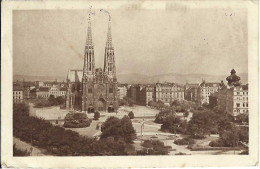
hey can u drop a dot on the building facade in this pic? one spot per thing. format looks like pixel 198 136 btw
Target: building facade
pixel 57 91
pixel 147 94
pixel 205 90
pixel 18 94
pixel 233 98
pixel 192 92
pixel 43 92
pixel 121 91
pixel 168 92
pixel 97 91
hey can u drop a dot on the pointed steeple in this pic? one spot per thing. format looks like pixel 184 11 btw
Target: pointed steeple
pixel 109 36
pixel 89 59
pixel 109 60
pixel 89 35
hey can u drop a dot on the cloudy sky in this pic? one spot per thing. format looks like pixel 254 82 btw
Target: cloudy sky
pixel 150 42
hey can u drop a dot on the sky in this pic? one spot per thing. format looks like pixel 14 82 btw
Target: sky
pixel 149 42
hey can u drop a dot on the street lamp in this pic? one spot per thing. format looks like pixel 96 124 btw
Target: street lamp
pixel 142 127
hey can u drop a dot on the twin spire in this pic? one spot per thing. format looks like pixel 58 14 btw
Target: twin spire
pixel 109 60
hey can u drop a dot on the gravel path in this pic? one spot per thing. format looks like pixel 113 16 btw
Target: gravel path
pixel 25 146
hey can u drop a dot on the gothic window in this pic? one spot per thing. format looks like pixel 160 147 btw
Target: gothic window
pixel 110 90
pixel 89 90
pixel 238 104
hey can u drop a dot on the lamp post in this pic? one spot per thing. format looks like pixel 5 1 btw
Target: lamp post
pixel 142 126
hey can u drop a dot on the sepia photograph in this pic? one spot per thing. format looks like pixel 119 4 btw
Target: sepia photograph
pixel 134 79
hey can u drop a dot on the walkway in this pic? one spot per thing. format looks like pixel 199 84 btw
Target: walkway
pixel 21 145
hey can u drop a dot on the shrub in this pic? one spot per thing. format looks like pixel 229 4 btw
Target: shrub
pixel 184 141
pixel 216 143
pixel 153 147
pixel 96 115
pixel 131 115
pixel 76 120
pixel 161 116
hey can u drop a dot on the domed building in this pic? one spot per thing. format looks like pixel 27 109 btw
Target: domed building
pixel 233 99
pixel 233 79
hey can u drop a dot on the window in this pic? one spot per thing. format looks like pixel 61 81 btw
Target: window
pixel 110 90
pixel 237 93
pixel 238 104
pixel 89 90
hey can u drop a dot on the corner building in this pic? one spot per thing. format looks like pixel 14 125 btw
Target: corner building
pixel 99 87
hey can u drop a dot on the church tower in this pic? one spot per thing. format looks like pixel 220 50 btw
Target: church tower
pixel 89 65
pixel 89 59
pixel 109 59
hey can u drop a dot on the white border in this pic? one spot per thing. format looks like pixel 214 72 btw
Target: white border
pixel 125 161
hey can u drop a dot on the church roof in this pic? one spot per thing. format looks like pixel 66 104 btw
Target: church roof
pixel 74 75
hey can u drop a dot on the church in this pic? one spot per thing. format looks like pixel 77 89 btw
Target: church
pixel 93 89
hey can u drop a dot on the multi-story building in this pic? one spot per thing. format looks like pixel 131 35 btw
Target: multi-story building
pixel 98 89
pixel 56 91
pixel 192 92
pixel 168 92
pixel 133 92
pixel 206 89
pixel 18 94
pixel 147 94
pixel 42 92
pixel 233 98
pixel 121 91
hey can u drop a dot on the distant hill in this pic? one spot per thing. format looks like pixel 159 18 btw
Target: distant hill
pixel 177 78
pixel 135 78
pixel 38 78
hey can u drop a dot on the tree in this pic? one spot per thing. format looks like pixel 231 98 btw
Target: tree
pixel 152 103
pixel 230 137
pixel 186 114
pixel 153 147
pixel 76 120
pixel 175 103
pixel 96 115
pixel 241 118
pixel 201 123
pixel 20 109
pixel 120 129
pixel 173 124
pixel 131 115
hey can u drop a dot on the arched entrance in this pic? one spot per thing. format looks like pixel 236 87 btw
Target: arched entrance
pixel 101 105
pixel 90 110
pixel 110 108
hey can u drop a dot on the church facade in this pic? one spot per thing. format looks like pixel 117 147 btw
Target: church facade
pixel 94 89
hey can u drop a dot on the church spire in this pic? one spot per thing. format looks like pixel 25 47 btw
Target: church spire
pixel 89 59
pixel 89 35
pixel 109 60
pixel 109 36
